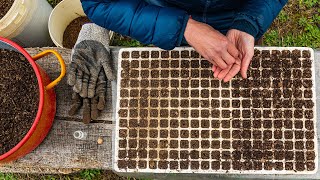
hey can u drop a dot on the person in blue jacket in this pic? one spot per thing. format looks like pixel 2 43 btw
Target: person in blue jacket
pixel 222 31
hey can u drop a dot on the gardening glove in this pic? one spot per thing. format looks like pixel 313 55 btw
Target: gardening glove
pixel 98 102
pixel 91 106
pixel 90 54
pixel 77 103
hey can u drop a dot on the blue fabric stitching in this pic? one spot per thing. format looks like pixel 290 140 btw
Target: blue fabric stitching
pixel 133 17
pixel 154 27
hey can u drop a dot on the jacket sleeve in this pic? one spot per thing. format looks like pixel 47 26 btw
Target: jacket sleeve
pixel 256 16
pixel 162 26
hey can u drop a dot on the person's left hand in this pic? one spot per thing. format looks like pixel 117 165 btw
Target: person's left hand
pixel 245 44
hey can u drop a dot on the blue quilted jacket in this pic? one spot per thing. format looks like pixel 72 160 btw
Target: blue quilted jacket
pixel 163 22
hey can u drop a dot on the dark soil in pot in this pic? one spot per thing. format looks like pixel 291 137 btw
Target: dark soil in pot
pixel 19 98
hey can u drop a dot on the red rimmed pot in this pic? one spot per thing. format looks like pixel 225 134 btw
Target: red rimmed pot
pixel 47 103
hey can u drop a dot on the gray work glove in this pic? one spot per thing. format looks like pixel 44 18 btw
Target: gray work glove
pixel 91 106
pixel 90 54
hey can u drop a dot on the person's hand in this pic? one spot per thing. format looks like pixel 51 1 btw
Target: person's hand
pixel 90 54
pixel 211 44
pixel 228 73
pixel 245 44
pixel 91 106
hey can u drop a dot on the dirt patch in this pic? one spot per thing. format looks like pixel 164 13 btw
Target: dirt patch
pixel 19 98
pixel 72 31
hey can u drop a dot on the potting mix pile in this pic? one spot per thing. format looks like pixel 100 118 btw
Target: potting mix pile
pixel 5 5
pixel 19 98
pixel 72 31
pixel 173 116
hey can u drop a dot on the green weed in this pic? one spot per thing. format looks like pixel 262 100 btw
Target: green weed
pixel 272 38
pixel 8 176
pixel 308 3
pixel 89 174
pixel 125 41
pixel 283 16
pixel 298 24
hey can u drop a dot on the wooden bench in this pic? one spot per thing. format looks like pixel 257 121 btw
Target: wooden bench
pixel 60 152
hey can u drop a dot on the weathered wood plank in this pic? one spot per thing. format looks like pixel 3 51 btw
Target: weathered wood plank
pixel 61 149
pixel 37 170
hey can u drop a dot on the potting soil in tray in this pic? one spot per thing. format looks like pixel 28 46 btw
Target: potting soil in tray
pixel 5 5
pixel 72 31
pixel 19 98
pixel 173 116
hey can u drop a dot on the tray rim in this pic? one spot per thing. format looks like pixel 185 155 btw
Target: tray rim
pixel 209 171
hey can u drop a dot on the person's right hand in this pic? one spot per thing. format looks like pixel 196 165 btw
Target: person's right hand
pixel 211 44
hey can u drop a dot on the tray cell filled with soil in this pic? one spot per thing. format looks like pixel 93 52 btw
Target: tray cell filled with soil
pixel 190 122
pixel 19 98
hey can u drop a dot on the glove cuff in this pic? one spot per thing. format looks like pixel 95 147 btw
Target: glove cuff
pixel 91 31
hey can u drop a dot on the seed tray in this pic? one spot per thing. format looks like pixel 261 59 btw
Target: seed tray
pixel 174 117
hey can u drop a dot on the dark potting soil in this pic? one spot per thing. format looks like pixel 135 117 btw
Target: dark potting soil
pixel 19 98
pixel 5 6
pixel 72 31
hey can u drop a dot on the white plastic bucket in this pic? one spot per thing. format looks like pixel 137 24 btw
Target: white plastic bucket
pixel 61 16
pixel 27 23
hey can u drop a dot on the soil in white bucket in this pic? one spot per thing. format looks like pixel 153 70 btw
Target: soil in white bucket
pixel 5 5
pixel 25 22
pixel 72 31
